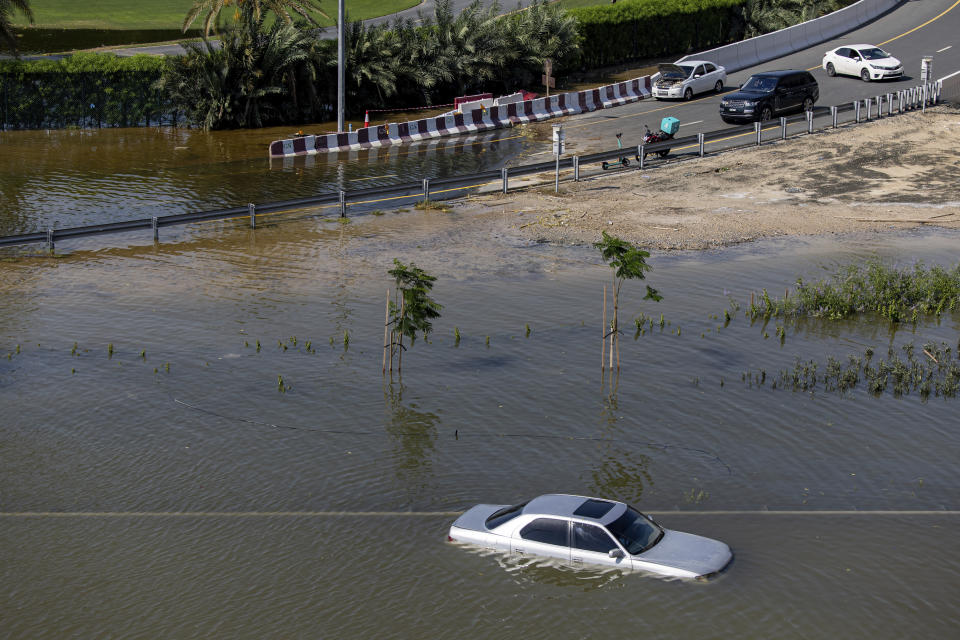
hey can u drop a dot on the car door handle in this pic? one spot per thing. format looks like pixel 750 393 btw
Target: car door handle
pixel 576 559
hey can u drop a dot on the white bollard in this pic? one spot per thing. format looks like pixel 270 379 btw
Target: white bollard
pixel 253 215
pixel 783 128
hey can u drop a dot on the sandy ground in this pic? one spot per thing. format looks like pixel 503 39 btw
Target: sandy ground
pixel 888 174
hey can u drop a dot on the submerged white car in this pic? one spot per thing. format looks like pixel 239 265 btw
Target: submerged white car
pixel 590 531
pixel 686 79
pixel 863 60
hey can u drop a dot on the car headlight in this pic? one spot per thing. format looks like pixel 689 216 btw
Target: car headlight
pixel 875 66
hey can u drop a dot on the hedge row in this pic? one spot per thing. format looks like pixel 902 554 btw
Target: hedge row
pixel 83 90
pixel 638 29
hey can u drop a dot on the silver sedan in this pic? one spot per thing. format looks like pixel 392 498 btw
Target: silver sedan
pixel 579 530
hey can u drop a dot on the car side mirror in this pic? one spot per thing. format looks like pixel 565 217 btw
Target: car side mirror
pixel 856 58
pixel 696 76
pixel 615 553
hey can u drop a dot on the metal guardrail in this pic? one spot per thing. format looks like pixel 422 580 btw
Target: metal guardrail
pixel 909 99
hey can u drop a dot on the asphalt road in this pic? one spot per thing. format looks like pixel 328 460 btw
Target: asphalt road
pixel 911 31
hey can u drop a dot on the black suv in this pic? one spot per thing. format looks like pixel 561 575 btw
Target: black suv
pixel 766 94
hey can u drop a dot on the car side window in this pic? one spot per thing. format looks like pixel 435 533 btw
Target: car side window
pixel 698 71
pixel 546 530
pixel 843 52
pixel 709 68
pixel 809 79
pixel 589 537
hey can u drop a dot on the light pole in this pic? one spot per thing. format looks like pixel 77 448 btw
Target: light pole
pixel 341 54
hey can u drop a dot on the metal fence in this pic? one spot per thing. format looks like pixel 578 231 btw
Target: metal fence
pixel 884 105
pixel 57 100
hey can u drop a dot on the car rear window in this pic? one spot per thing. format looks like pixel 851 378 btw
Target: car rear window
pixel 504 515
pixel 592 508
pixel 547 530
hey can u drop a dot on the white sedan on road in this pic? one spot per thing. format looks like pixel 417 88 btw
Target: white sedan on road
pixel 863 60
pixel 581 531
pixel 687 78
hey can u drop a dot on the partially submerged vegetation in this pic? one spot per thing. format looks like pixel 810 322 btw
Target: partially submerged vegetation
pixel 934 370
pixel 898 294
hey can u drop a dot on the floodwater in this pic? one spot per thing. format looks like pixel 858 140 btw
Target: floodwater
pixel 158 483
pixel 68 178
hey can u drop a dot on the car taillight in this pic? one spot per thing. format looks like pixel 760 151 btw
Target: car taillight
pixel 449 539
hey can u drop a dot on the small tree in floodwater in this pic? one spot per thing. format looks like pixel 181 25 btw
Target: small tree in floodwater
pixel 628 263
pixel 410 312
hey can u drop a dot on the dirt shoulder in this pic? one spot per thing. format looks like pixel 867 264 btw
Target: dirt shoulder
pixel 884 175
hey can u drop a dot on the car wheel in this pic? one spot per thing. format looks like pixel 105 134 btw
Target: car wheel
pixel 688 94
pixel 626 161
pixel 808 104
pixel 831 70
pixel 865 75
pixel 719 86
pixel 604 165
pixel 663 154
pixel 766 113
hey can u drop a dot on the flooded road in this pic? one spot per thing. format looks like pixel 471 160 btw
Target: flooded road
pixel 67 178
pixel 183 414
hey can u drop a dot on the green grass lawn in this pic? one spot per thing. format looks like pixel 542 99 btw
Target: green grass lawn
pixel 166 14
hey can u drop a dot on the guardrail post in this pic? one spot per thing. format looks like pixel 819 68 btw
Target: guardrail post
pixel 889 104
pixel 868 103
pixel 343 204
pixel 923 107
pixel 426 189
pixel 576 168
pixel 156 231
pixel 759 130
pixel 879 100
pixel 856 110
pixel 783 128
pixel 701 138
pixel 50 239
pixel 809 121
pixel 505 177
pixel 640 155
pixel 833 115
pixel 253 215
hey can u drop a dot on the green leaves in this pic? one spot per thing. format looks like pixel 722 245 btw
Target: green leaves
pixel 416 309
pixel 628 261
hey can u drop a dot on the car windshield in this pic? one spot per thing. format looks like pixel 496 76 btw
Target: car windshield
pixel 505 514
pixel 874 54
pixel 760 83
pixel 687 70
pixel 635 531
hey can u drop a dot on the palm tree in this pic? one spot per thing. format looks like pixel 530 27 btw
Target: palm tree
pixel 245 81
pixel 7 8
pixel 254 9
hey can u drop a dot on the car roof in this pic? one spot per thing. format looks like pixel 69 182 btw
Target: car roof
pixel 565 505
pixel 858 46
pixel 778 74
pixel 697 62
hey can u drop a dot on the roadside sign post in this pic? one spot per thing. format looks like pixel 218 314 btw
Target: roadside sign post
pixel 547 79
pixel 558 137
pixel 926 69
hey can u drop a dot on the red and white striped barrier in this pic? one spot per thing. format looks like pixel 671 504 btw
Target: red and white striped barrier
pixel 471 121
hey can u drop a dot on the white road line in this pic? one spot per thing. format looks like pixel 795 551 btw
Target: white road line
pixel 435 514
pixel 949 46
pixel 687 124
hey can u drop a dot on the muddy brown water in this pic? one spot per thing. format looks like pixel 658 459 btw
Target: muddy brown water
pixel 842 510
